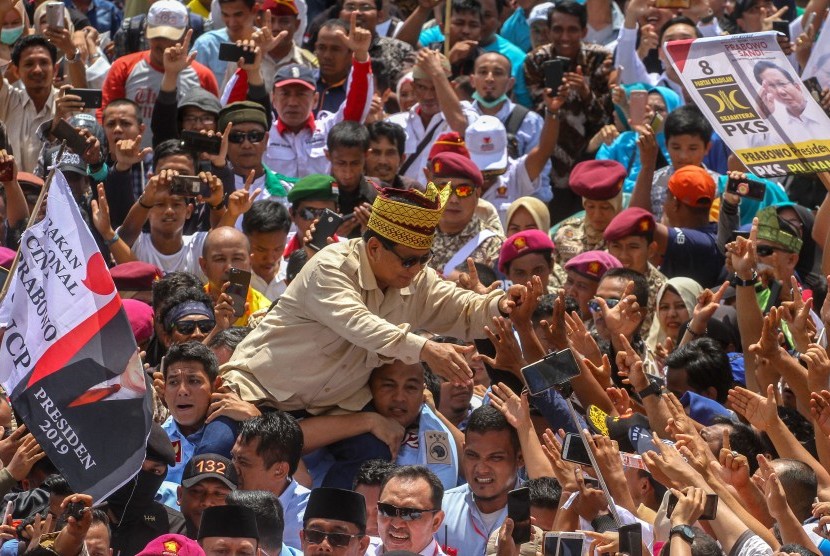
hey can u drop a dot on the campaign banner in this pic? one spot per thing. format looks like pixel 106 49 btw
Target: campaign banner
pixel 753 97
pixel 68 357
pixel 818 65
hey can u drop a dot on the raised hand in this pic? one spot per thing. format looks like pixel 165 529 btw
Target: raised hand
pixel 358 40
pixel 563 470
pixel 470 281
pixel 508 351
pixel 624 318
pixel 820 410
pixel 241 200
pixel 251 45
pixel 101 214
pixel 818 366
pixel 265 38
pixel 554 333
pixel 577 83
pixel 707 304
pixel 761 412
pixel 516 409
pixel 178 57
pixel 129 152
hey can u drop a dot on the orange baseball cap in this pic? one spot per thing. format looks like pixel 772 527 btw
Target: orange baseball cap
pixel 693 186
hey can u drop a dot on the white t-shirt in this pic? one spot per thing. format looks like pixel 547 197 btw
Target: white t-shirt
pixel 276 287
pixel 185 260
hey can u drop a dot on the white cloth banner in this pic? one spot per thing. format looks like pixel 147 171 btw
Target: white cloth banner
pixel 753 97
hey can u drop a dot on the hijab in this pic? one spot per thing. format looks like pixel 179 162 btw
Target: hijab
pixel 538 211
pixel 688 290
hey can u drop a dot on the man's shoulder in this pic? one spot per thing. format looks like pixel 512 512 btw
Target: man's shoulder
pixel 129 60
pixel 214 37
pixel 509 49
pixel 400 118
pixel 541 54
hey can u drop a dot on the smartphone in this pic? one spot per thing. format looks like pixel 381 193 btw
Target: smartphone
pixel 637 106
pixel 74 509
pixel 518 509
pixel 54 15
pixel 74 140
pixel 9 509
pixel 238 290
pixel 189 186
pixel 631 539
pixel 750 189
pixel 92 98
pixel 575 450
pixel 814 87
pixel 201 143
pixel 674 4
pixel 554 73
pixel 656 123
pixel 229 52
pixel 325 227
pixel 558 543
pixel 710 509
pixel 7 171
pixel 782 27
pixel 555 369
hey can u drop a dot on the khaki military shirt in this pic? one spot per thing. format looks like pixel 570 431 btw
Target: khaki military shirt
pixel 445 246
pixel 575 236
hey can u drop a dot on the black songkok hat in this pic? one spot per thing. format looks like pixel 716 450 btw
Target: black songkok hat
pixel 228 521
pixel 336 503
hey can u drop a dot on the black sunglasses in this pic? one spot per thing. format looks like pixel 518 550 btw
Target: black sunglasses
pixel 766 250
pixel 314 536
pixel 308 213
pixel 239 137
pixel 187 327
pixel 408 262
pixel 407 514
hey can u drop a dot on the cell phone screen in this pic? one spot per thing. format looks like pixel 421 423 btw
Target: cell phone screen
pixel 750 189
pixel 240 280
pixel 570 546
pixel 574 450
pixel 201 143
pixel 631 539
pixel 554 71
pixel 555 369
pixel 518 509
pixel 229 52
pixel 551 544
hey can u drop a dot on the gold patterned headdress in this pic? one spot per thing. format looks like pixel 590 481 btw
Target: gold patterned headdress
pixel 409 217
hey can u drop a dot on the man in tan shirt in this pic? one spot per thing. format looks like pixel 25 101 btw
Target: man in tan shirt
pixel 352 308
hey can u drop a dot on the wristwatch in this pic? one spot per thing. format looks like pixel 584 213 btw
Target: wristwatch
pixel 737 281
pixel 653 389
pixel 684 532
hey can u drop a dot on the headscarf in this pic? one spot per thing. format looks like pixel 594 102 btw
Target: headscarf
pixel 672 101
pixel 688 290
pixel 537 209
pixel 20 8
pixel 41 11
pixel 405 78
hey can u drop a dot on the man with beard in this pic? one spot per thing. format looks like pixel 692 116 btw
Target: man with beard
pixel 492 457
pixel 135 517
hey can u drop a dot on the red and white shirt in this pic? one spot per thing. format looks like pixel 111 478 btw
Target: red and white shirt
pixel 134 77
pixel 303 153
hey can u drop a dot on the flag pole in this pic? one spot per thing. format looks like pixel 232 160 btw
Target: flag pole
pixel 447 11
pixel 44 190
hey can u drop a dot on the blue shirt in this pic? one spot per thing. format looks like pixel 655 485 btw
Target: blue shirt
pixel 501 45
pixel 103 15
pixel 294 499
pixel 207 53
pixel 516 30
pixel 687 248
pixel 437 451
pixel 463 525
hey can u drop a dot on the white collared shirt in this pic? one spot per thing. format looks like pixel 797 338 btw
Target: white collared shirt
pixel 18 112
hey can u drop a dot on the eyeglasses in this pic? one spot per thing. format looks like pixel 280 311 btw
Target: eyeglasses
pixel 359 7
pixel 188 327
pixel 594 306
pixel 239 137
pixel 461 191
pixel 408 262
pixel 205 119
pixel 407 514
pixel 314 536
pixel 308 213
pixel 766 250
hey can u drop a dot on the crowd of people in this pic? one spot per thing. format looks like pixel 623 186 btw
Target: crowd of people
pixel 344 234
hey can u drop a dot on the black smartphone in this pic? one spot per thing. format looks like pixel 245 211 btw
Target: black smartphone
pixel 74 140
pixel 782 27
pixel 325 227
pixel 92 98
pixel 554 71
pixel 518 509
pixel 550 544
pixel 189 186
pixel 238 290
pixel 710 509
pixel 631 539
pixel 229 52
pixel 201 143
pixel 750 189
pixel 555 369
pixel 74 509
pixel 814 87
pixel 575 450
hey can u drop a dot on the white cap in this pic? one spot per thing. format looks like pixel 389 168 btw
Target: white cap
pixel 539 12
pixel 167 19
pixel 486 140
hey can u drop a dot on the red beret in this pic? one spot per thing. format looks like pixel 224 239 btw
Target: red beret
pixel 522 243
pixel 597 180
pixel 450 142
pixel 453 165
pixel 593 264
pixel 633 221
pixel 281 7
pixel 135 276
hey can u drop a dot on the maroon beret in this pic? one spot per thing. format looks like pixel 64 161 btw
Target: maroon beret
pixel 522 243
pixel 593 264
pixel 450 165
pixel 450 142
pixel 135 276
pixel 597 180
pixel 633 221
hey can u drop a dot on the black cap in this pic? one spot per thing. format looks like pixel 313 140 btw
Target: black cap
pixel 237 522
pixel 336 503
pixel 209 466
pixel 295 74
pixel 159 447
